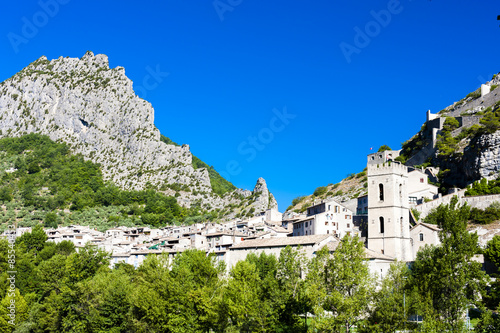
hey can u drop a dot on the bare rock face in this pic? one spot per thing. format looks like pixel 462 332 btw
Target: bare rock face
pixel 263 198
pixel 482 158
pixel 95 110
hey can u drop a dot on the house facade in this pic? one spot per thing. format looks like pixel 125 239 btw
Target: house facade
pixel 327 217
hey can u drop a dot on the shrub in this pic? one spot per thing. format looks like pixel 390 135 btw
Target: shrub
pixel 475 94
pixel 384 148
pixel 320 191
pixel 297 200
pixel 487 216
pixel 5 194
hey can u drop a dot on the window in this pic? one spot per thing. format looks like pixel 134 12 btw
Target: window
pixel 326 223
pixel 329 207
pixel 333 224
pixel 400 191
pixel 348 225
pixel 421 237
pixel 348 217
pixel 381 192
pixel 421 180
pixel 381 220
pixel 307 224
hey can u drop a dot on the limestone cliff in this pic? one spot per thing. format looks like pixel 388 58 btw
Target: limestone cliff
pixel 95 110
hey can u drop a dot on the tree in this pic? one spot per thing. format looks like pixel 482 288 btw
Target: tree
pixel 5 193
pixel 384 148
pixel 50 220
pixel 348 286
pixel 445 277
pixel 243 299
pixel 34 240
pixel 492 251
pixel 291 269
pixel 85 263
pixel 390 307
pixel 16 301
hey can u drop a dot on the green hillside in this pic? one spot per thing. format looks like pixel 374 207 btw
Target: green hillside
pixel 40 180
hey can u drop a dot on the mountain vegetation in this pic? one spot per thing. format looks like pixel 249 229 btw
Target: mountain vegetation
pixel 42 181
pixel 353 186
pixel 94 110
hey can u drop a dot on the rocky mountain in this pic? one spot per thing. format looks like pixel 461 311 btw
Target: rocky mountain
pixel 95 110
pixel 462 141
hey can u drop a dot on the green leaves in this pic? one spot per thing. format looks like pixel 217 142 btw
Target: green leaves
pixel 445 277
pixel 344 283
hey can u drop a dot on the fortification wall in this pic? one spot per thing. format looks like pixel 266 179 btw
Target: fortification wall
pixel 486 100
pixel 479 201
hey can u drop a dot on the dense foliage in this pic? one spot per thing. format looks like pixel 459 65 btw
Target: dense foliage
pixel 483 187
pixel 445 279
pixel 219 185
pixel 60 290
pixel 48 179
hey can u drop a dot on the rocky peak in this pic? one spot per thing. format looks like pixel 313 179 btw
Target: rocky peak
pixel 94 109
pixel 264 199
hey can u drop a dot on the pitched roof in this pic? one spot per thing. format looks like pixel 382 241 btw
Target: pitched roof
pixel 281 241
pixel 370 254
pixel 427 225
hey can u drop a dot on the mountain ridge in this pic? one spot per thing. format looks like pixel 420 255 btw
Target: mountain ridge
pixel 93 108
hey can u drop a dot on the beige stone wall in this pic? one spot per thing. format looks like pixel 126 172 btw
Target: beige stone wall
pixel 430 237
pixel 391 179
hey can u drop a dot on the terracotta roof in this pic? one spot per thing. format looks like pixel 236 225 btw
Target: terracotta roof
pixel 281 241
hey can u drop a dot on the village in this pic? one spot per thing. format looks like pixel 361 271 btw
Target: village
pixel 382 219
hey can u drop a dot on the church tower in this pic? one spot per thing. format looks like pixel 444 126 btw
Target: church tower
pixel 388 206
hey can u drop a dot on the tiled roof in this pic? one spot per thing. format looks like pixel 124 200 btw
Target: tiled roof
pixel 427 225
pixel 281 241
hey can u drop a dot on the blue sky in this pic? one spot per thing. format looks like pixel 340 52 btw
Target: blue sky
pixel 293 91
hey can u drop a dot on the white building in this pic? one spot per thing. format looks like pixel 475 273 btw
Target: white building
pixel 327 217
pixel 419 188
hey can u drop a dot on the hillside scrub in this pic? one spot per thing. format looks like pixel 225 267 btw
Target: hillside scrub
pixel 48 178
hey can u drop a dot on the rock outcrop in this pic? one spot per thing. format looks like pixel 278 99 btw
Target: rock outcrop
pixel 95 110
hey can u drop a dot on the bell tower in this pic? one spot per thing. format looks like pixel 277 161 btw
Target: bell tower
pixel 388 206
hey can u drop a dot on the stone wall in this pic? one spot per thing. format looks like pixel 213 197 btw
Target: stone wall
pixel 479 201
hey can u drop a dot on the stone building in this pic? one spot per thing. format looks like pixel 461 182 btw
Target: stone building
pixel 388 206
